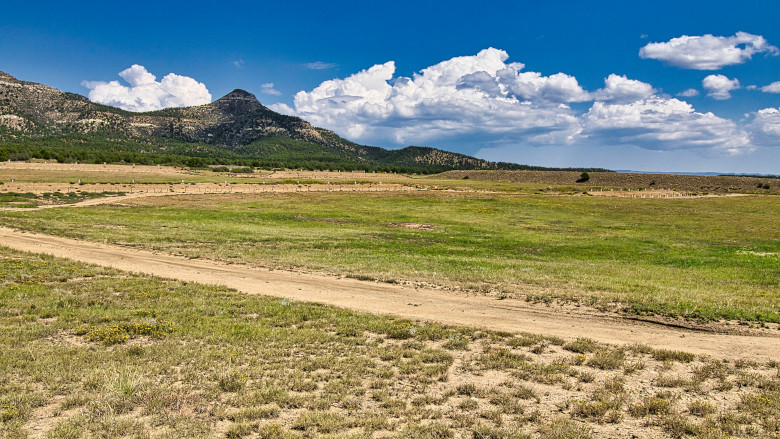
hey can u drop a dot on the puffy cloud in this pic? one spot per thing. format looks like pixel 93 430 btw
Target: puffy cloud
pixel 137 76
pixel 691 92
pixel 559 87
pixel 708 52
pixel 268 88
pixel 661 123
pixel 319 65
pixel 465 95
pixel 765 127
pixel 719 86
pixel 621 89
pixel 771 88
pixel 483 101
pixel 145 93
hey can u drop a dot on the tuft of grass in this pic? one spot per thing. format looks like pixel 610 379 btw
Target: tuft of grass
pixel 668 355
pixel 581 346
pixel 607 359
pixel 433 430
pixel 652 405
pixel 563 428
pixel 502 359
pixel 231 381
pixel 701 408
pixel 319 421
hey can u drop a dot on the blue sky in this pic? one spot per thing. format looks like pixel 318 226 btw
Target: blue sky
pixel 442 74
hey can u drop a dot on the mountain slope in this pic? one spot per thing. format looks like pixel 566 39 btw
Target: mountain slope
pixel 237 128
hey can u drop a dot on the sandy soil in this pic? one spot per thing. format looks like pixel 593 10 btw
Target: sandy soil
pixel 416 303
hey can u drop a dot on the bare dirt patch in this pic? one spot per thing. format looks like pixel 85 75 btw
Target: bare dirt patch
pixel 414 226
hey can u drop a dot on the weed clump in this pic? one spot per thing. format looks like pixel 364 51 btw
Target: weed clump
pixel 652 405
pixel 120 333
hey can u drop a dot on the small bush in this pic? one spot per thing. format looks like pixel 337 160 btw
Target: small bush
pixel 583 177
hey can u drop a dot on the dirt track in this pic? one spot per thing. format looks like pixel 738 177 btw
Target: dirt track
pixel 156 190
pixel 426 304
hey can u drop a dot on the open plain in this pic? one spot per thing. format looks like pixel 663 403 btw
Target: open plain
pixel 300 304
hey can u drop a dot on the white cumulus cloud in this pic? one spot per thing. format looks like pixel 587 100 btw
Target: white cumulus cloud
pixel 708 52
pixel 145 93
pixel 719 86
pixel 484 101
pixel 663 124
pixel 771 88
pixel 465 95
pixel 621 89
pixel 765 127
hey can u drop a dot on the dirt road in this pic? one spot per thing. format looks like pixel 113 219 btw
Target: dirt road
pixel 157 190
pixel 425 304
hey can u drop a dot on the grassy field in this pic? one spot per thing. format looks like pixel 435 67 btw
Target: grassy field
pixel 93 352
pixel 30 200
pixel 625 181
pixel 707 258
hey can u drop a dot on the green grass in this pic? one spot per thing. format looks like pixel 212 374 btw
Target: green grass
pixel 100 353
pixel 702 259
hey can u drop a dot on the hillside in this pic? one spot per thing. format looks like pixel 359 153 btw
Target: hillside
pixel 40 121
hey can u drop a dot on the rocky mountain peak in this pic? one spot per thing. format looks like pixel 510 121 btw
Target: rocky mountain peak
pixel 238 101
pixel 239 95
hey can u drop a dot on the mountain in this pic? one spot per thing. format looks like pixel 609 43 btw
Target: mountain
pixel 41 121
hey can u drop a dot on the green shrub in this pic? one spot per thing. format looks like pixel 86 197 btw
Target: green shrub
pixel 583 177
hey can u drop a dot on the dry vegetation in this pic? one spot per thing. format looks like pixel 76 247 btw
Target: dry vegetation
pixel 90 352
